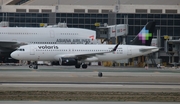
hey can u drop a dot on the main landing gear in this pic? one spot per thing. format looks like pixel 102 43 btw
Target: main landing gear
pixel 79 64
pixel 33 65
pixel 84 66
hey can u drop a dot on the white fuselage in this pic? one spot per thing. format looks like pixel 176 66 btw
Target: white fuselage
pixel 43 52
pixel 46 35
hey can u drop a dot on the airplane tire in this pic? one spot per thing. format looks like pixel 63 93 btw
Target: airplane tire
pixel 84 66
pixel 36 67
pixel 100 74
pixel 77 66
pixel 30 66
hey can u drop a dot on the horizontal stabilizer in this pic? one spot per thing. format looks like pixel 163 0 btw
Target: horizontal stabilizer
pixel 148 49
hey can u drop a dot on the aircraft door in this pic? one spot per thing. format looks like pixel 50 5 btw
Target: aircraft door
pixel 52 34
pixel 32 50
pixel 129 50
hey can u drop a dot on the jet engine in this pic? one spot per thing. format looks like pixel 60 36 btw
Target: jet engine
pixel 67 61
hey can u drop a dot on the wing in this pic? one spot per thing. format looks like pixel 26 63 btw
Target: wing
pixel 81 56
pixel 11 44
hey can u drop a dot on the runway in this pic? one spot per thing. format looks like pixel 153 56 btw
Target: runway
pixel 89 69
pixel 60 78
pixel 59 83
pixel 70 74
pixel 69 86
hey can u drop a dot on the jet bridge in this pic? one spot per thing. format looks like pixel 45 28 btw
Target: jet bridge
pixel 106 32
pixel 172 47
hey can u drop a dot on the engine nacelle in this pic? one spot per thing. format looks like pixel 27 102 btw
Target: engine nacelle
pixel 67 61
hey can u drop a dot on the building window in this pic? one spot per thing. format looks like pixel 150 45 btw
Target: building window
pixel 79 10
pixel 34 10
pixel 156 11
pixel 93 11
pixel 106 11
pixel 171 11
pixel 46 10
pixel 141 10
pixel 21 10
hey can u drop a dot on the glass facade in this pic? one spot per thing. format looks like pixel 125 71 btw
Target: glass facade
pixel 169 24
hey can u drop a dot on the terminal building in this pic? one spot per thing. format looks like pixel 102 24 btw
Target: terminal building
pixel 85 13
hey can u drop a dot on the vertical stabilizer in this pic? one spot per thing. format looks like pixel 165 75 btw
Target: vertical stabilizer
pixel 145 35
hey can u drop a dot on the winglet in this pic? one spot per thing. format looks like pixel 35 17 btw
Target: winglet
pixel 115 48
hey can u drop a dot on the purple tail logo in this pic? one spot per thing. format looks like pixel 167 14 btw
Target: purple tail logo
pixel 144 35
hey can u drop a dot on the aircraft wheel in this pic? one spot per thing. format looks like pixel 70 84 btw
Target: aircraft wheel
pixel 30 66
pixel 100 74
pixel 77 65
pixel 89 63
pixel 84 66
pixel 35 66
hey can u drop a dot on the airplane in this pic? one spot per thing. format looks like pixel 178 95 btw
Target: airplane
pixel 79 55
pixel 13 37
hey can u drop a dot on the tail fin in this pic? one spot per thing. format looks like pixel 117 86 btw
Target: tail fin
pixel 145 35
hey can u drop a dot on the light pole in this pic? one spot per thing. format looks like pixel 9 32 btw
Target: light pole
pixel 116 11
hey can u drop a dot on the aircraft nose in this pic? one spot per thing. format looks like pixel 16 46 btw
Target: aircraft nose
pixel 14 55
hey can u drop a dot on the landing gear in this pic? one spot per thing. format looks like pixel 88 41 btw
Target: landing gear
pixel 100 74
pixel 33 65
pixel 30 66
pixel 77 65
pixel 84 66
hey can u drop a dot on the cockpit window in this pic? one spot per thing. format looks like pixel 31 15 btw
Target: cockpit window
pixel 20 49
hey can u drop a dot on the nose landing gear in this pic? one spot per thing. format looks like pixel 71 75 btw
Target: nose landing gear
pixel 33 65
